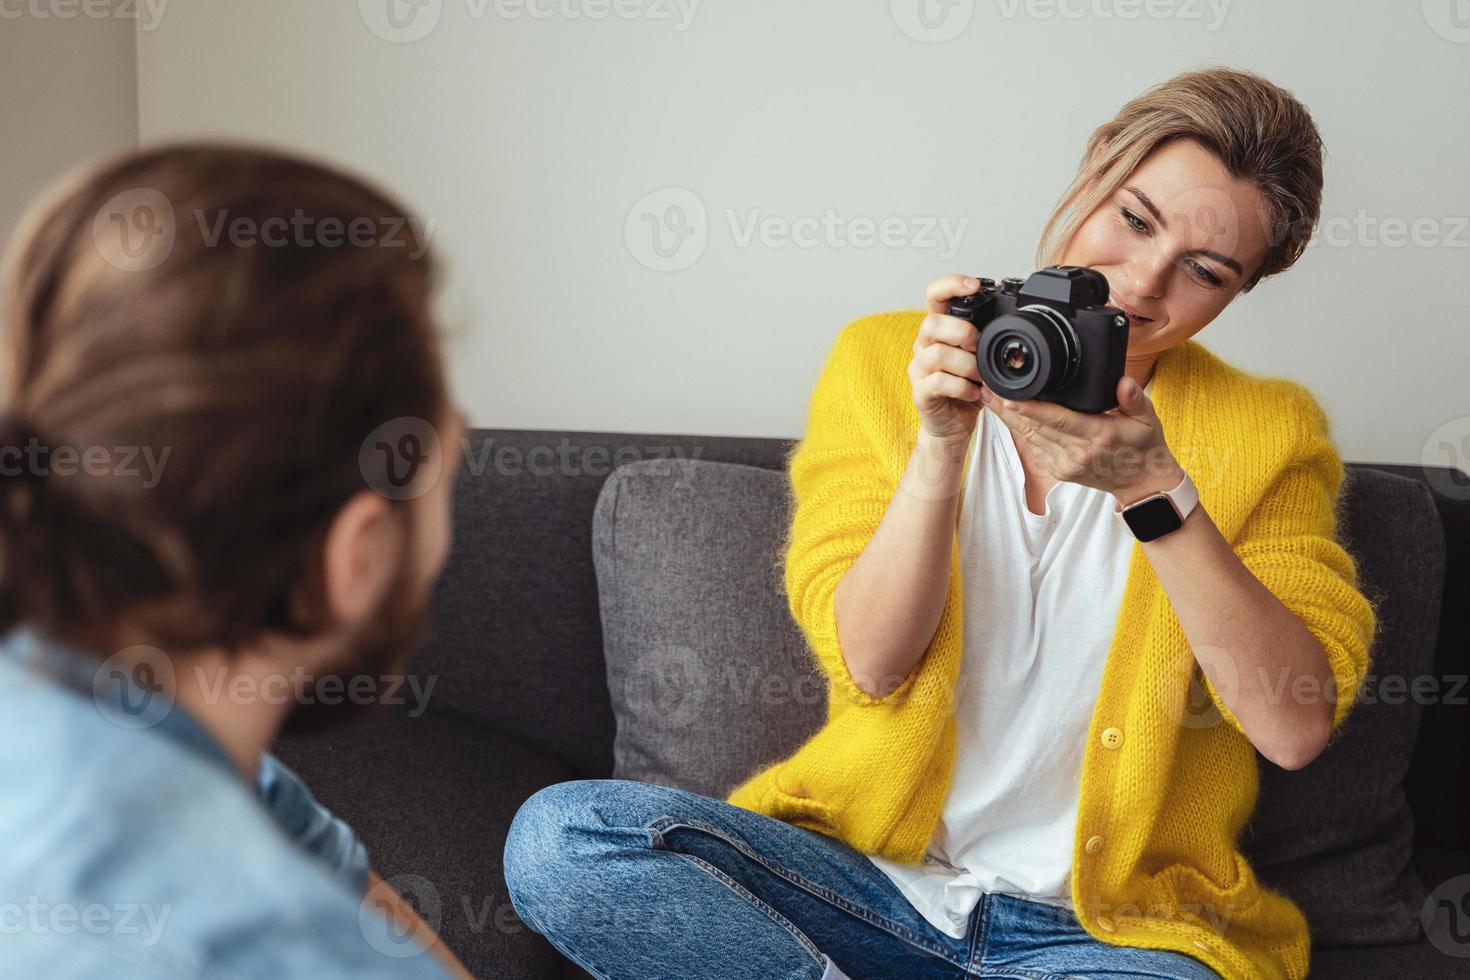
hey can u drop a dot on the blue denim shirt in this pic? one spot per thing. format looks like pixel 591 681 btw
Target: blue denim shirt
pixel 130 846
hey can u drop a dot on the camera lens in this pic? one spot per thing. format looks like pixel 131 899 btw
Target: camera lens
pixel 1015 355
pixel 1028 352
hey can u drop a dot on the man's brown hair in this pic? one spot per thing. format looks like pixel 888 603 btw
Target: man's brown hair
pixel 243 314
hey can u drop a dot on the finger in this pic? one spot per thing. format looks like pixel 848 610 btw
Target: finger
pixel 952 330
pixel 941 385
pixel 942 357
pixel 1035 432
pixel 942 290
pixel 1055 416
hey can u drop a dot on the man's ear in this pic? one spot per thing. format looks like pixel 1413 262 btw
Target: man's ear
pixel 362 547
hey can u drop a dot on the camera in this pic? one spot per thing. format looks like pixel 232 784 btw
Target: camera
pixel 1051 338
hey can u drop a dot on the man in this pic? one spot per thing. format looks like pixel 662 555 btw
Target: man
pixel 226 459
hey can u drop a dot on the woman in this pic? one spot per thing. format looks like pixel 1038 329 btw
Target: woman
pixel 1041 736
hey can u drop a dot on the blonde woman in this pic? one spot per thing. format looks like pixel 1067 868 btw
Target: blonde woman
pixel 1042 729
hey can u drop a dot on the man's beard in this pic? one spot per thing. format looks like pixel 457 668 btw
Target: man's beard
pixel 381 649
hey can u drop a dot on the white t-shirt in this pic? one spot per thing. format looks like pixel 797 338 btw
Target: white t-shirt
pixel 1042 596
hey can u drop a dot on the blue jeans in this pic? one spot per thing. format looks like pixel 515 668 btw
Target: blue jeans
pixel 633 880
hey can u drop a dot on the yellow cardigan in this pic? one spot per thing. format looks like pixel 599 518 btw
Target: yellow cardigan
pixel 1164 797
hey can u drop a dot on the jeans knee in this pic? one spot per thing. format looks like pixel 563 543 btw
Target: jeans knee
pixel 536 844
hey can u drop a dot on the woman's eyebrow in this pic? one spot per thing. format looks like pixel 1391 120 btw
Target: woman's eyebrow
pixel 1224 260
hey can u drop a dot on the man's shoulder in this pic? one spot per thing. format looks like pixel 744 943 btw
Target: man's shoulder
pixel 125 846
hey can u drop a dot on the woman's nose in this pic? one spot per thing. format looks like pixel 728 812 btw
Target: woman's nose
pixel 1149 274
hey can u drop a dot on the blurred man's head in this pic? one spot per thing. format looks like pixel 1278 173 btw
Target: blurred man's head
pixel 240 444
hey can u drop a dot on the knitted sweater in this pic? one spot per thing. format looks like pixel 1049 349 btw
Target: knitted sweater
pixel 1165 794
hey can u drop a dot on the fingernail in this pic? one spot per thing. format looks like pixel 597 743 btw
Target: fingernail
pixel 971 283
pixel 986 396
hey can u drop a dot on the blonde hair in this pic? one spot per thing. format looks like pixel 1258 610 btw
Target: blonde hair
pixel 1259 131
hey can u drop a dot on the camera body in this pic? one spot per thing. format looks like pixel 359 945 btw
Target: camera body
pixel 1052 338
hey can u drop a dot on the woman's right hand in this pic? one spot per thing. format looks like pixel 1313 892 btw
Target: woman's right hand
pixel 946 380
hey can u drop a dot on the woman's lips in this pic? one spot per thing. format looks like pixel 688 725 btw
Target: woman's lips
pixel 1134 317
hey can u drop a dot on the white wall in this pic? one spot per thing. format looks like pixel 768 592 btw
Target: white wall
pixel 68 95
pixel 534 140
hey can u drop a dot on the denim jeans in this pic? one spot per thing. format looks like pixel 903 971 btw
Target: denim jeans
pixel 632 880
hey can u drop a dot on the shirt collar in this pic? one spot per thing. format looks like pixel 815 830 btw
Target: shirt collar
pixel 112 692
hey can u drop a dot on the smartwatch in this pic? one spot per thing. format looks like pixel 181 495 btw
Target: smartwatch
pixel 1158 514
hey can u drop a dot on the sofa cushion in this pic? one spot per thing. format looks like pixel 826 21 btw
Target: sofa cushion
pixel 708 675
pixel 1337 836
pixel 432 798
pixel 696 627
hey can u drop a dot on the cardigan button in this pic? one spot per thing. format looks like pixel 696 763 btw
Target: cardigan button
pixel 1093 845
pixel 1106 924
pixel 1112 737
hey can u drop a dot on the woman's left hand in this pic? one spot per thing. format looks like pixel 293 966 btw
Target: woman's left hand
pixel 1121 451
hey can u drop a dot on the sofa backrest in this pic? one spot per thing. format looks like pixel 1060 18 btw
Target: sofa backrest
pixel 516 636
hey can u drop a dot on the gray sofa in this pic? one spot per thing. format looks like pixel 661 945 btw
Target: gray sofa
pixel 521 662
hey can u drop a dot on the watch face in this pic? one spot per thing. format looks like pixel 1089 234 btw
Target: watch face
pixel 1152 518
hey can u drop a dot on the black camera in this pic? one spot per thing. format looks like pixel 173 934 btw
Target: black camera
pixel 1053 338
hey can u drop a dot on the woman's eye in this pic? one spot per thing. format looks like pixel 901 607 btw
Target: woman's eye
pixel 1204 274
pixel 1134 221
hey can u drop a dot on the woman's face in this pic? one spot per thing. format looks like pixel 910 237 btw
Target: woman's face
pixel 1176 242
